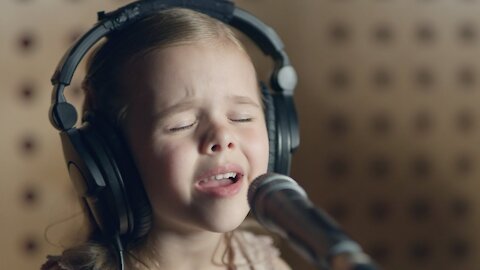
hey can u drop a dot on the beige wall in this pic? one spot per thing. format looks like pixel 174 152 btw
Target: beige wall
pixel 388 106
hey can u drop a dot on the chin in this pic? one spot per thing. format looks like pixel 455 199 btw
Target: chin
pixel 227 221
pixel 224 227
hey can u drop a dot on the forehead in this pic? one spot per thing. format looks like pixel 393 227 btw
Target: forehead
pixel 195 70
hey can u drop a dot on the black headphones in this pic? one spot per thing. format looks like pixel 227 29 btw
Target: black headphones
pixel 97 157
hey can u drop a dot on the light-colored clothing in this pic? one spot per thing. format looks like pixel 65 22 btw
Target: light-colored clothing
pixel 256 252
pixel 250 252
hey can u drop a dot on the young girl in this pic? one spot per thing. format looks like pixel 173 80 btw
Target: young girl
pixel 184 93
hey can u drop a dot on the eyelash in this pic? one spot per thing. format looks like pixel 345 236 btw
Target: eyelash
pixel 242 120
pixel 176 129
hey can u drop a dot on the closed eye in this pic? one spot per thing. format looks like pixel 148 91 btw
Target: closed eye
pixel 246 119
pixel 180 128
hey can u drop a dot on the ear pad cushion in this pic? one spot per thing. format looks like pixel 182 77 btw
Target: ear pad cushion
pixel 269 111
pixel 89 179
pixel 131 201
pixel 287 132
pixel 110 207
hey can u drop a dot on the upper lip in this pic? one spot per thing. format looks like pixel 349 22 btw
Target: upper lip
pixel 221 169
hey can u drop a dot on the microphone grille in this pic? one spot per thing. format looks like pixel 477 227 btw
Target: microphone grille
pixel 266 183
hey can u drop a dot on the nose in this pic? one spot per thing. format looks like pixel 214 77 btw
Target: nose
pixel 217 138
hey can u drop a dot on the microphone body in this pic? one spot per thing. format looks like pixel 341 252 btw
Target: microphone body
pixel 282 206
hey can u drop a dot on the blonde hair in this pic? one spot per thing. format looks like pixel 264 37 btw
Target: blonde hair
pixel 173 27
pixel 105 94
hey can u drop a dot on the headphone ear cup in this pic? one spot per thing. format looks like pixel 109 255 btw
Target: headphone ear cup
pixel 112 196
pixel 283 132
pixel 131 194
pixel 104 174
pixel 85 163
pixel 269 111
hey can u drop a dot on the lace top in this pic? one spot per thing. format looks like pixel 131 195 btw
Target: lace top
pixel 249 252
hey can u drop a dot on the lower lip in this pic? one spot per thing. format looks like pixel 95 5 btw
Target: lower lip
pixel 223 191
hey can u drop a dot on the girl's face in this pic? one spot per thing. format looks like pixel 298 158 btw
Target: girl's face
pixel 197 132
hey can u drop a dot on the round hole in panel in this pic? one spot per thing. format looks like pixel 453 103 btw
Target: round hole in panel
pixel 26 41
pixel 338 124
pixel 30 195
pixel 424 78
pixel 420 251
pixel 382 78
pixel 425 33
pixel 339 79
pixel 467 77
pixel 27 91
pixel 420 209
pixel 423 122
pixel 338 167
pixel 383 33
pixel 467 32
pixel 339 32
pixel 30 245
pixel 380 167
pixel 464 164
pixel 465 120
pixel 459 249
pixel 460 208
pixel 28 145
pixel 379 251
pixel 381 123
pixel 380 210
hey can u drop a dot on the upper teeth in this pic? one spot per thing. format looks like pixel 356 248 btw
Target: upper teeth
pixel 223 176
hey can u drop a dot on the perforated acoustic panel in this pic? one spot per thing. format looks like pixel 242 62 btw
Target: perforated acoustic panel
pixel 37 200
pixel 388 106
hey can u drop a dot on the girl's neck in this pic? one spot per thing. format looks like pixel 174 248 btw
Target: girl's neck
pixel 166 249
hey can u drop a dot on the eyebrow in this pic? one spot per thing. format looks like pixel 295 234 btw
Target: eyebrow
pixel 181 106
pixel 188 104
pixel 244 100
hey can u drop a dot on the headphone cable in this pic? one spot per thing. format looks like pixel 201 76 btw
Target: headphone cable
pixel 119 250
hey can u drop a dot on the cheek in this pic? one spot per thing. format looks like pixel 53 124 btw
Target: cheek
pixel 258 150
pixel 165 171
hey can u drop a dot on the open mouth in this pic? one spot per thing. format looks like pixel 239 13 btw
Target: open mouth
pixel 220 179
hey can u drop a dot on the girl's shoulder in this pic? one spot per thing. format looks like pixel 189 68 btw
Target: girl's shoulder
pixel 257 251
pixel 86 256
pixel 54 263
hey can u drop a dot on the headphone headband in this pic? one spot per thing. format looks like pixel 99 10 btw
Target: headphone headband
pixel 63 115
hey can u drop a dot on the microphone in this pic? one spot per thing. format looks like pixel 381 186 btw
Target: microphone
pixel 282 206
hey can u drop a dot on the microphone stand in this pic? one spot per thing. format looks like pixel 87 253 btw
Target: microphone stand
pixel 327 246
pixel 350 261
